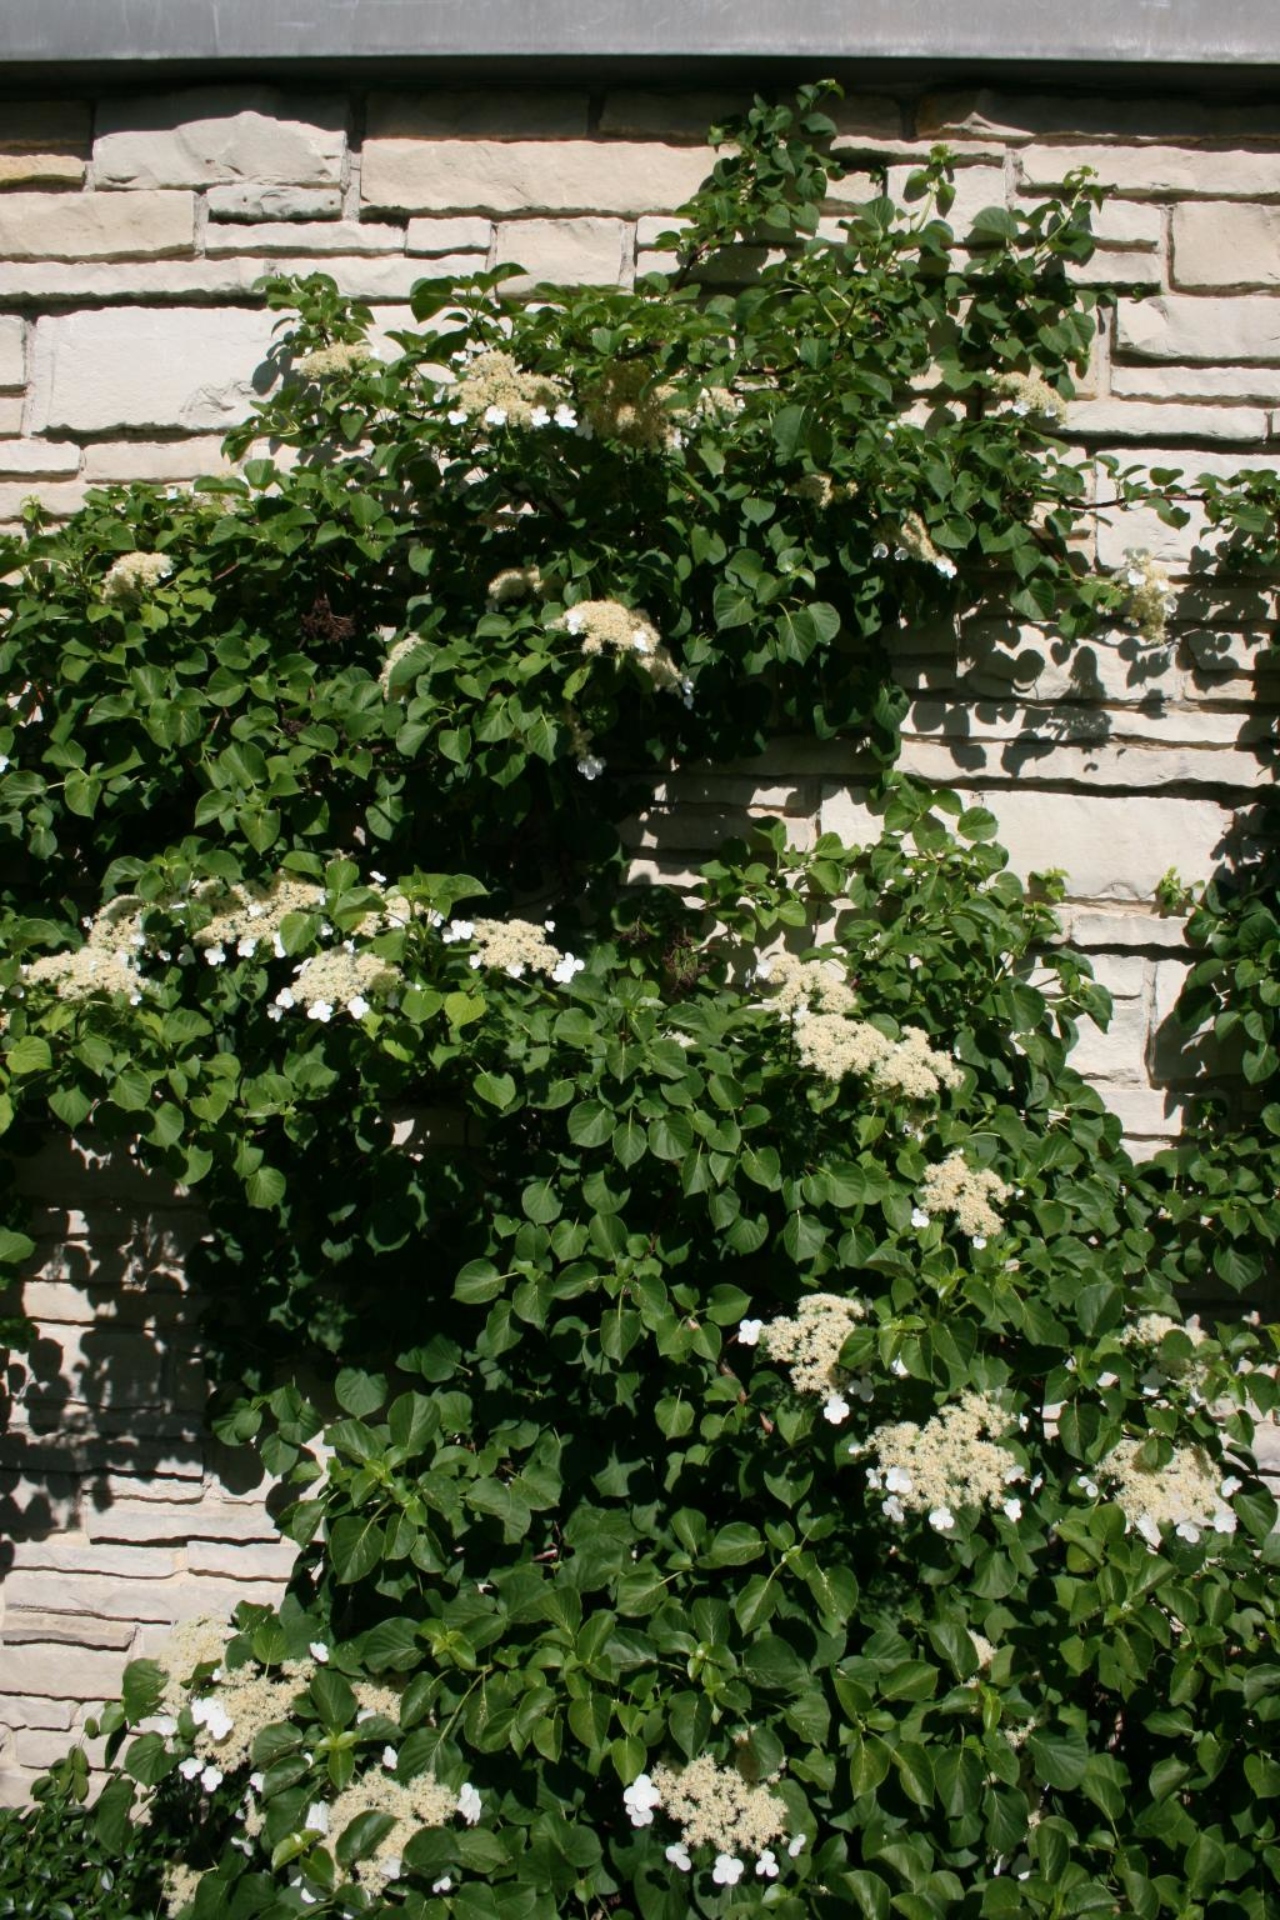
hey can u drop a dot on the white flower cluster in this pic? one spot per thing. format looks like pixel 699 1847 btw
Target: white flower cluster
pixel 821 491
pixel 627 404
pixel 411 1804
pixel 801 985
pixel 1149 593
pixel 952 1186
pixel 495 390
pixel 1149 1330
pixel 85 973
pixel 954 1460
pixel 809 1343
pixel 1029 393
pixel 517 946
pixel 606 626
pixel 713 1807
pixel 513 583
pixel 835 1046
pixel 341 357
pixel 1188 1493
pixel 340 977
pixel 249 916
pixel 133 575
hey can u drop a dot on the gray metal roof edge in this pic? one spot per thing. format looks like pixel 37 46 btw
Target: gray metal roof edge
pixel 40 35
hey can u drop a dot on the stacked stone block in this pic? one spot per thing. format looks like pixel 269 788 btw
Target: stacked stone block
pixel 132 233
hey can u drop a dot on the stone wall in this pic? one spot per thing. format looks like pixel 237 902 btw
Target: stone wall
pixel 132 231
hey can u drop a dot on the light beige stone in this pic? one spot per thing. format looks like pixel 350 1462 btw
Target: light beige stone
pixel 191 368
pixel 1221 244
pixel 1124 975
pixel 57 1672
pixel 1128 224
pixel 1128 270
pixel 72 1629
pixel 1138 766
pixel 529 176
pixel 1158 172
pixel 212 135
pixel 12 407
pixel 1111 849
pixel 1166 422
pixel 464 235
pixel 149 1522
pixel 13 353
pixel 1143 380
pixel 93 226
pixel 582 252
pixel 34 1748
pixel 1118 667
pixel 976 188
pixel 31 1710
pixel 1145 1113
pixel 75 1557
pixel 370 277
pixel 242 1560
pixel 274 203
pixel 496 113
pixel 1097 927
pixel 149 1602
pixel 1118 1054
pixel 51 458
pixel 160 460
pixel 60 499
pixel 335 236
pixel 40 170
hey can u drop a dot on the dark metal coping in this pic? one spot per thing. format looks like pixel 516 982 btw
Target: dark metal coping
pixel 1233 45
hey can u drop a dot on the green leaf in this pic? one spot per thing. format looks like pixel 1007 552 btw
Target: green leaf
pixel 499 1089
pixel 360 1393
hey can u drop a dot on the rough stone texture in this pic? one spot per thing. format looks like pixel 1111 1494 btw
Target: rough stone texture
pixel 13 353
pixel 528 176
pixel 195 368
pixel 163 460
pixel 583 253
pixel 51 457
pixel 1164 422
pixel 95 226
pixel 335 236
pixel 274 203
pixel 1226 245
pixel 1142 380
pixel 449 236
pixel 40 170
pixel 211 135
pixel 1158 173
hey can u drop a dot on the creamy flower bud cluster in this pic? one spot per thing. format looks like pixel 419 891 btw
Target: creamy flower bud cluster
pixel 606 626
pixel 341 357
pixel 802 985
pixel 821 491
pixel 517 947
pixel 512 584
pixel 808 1344
pixel 496 390
pixel 714 1807
pixel 133 575
pixel 340 977
pixel 400 651
pixel 1188 1493
pixel 835 1046
pixel 1149 594
pixel 914 543
pixel 411 1804
pixel 1030 393
pixel 626 404
pixel 85 973
pixel 952 1186
pixel 955 1460
pixel 248 916
pixel 245 1701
